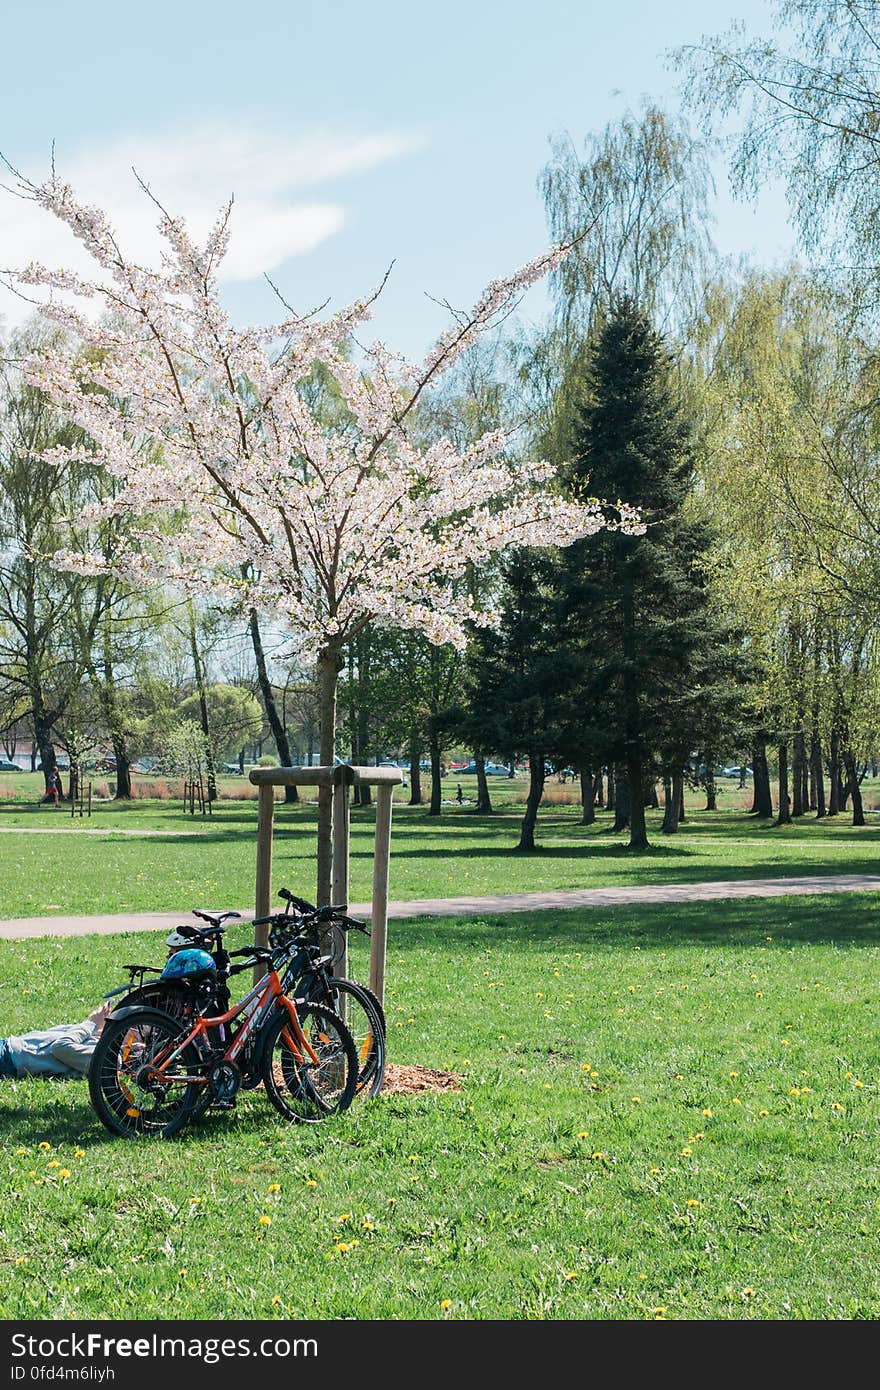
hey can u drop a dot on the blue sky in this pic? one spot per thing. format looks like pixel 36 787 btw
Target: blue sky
pixel 351 134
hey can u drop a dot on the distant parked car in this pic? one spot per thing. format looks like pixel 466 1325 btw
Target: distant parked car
pixel 62 764
pixel 736 772
pixel 231 767
pixel 7 766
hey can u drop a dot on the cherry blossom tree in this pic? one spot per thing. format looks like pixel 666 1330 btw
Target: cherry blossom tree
pixel 234 484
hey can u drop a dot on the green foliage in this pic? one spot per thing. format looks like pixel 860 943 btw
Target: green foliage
pixel 235 717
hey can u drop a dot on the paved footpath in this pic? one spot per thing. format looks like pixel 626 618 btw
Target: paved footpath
pixel 108 924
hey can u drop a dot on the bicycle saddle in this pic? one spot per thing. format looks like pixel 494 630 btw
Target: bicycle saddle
pixel 215 918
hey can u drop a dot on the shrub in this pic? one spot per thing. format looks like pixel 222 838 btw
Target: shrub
pixel 267 761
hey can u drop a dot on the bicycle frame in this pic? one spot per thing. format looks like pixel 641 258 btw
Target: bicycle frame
pixel 257 1004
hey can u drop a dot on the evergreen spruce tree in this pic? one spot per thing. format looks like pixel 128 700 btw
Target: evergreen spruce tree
pixel 635 609
pixel 517 677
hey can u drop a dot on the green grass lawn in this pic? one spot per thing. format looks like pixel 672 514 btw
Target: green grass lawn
pixel 149 855
pixel 664 1113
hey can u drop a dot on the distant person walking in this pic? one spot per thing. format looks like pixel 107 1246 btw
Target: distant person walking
pixel 53 787
pixel 459 794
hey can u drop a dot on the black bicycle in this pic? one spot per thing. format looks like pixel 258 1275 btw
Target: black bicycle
pixel 310 975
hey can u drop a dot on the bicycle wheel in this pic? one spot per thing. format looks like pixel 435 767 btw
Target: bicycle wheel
pixel 301 1088
pixel 364 1017
pixel 125 1098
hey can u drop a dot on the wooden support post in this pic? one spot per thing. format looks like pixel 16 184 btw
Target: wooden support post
pixel 343 777
pixel 265 816
pixel 379 910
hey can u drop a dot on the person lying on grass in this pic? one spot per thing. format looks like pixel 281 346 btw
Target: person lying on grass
pixel 65 1050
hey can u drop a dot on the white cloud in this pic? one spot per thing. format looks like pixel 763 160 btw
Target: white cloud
pixel 193 173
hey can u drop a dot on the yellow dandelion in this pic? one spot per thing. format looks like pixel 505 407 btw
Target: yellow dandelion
pixel 571 1274
pixel 858 1084
pixel 79 1153
pixel 708 1112
pixel 20 1153
pixel 759 994
pixel 735 1100
pixel 181 1274
pixel 367 1225
pixel 54 1163
pixel 636 1100
pixel 276 1301
pixel 274 1186
pixel 655 1172
pixel 734 1073
pixel 583 1134
pixel 748 1292
pixel 694 1202
pixel 783 1042
pixel 444 1304
pixel 795 1091
pixel 44 1145
pixel 466 1062
pixel 659 1314
pixel 265 1221
pixel 686 1151
pixel 763 1113
pixel 414 1177
pixel 586 1067
pixel 342 1247
pixel 310 1182
pixel 21 1260
pixel 547 1086
pixel 346 1216
pixel 836 1105
pixel 65 1173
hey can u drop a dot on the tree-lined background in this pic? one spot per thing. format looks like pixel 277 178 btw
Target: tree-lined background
pixel 734 404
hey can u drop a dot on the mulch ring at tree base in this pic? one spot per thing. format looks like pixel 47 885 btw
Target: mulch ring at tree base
pixel 408 1081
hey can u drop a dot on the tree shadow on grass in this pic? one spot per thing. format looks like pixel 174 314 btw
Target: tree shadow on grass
pixel 844 920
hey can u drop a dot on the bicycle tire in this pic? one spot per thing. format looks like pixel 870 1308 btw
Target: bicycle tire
pixel 365 1019
pixel 125 1106
pixel 299 1090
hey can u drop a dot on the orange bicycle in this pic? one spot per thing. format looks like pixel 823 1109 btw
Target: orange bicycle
pixel 150 1072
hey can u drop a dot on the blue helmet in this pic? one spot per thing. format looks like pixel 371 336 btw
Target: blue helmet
pixel 191 963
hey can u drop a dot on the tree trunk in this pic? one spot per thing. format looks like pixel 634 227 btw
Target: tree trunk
pixel 484 802
pixel 279 733
pixel 638 833
pixel 817 775
pixel 763 803
pixel 855 791
pixel 681 815
pixel 588 797
pixel 609 800
pixel 537 773
pixel 834 773
pixel 599 799
pixel 330 663
pixel 672 791
pixel 203 704
pixel 798 774
pixel 415 769
pixel 436 782
pixel 784 816
pixel 621 797
pixel 711 793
